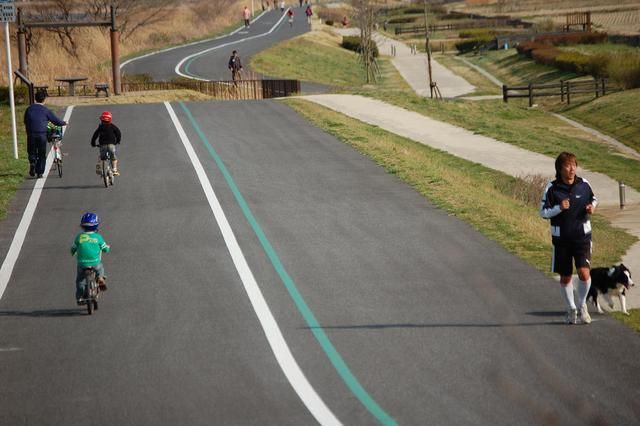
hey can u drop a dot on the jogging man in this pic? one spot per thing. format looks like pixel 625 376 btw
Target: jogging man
pixel 568 201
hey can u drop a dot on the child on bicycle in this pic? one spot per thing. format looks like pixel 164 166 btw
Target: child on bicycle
pixel 89 245
pixel 108 136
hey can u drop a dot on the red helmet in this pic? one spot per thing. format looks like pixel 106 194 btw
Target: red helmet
pixel 106 117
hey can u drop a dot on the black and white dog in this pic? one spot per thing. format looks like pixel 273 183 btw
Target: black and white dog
pixel 614 281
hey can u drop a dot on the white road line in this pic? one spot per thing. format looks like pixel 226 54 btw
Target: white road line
pixel 177 68
pixel 283 354
pixel 27 215
pixel 187 45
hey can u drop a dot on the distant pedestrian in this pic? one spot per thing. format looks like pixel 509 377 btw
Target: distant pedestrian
pixel 36 120
pixel 309 14
pixel 345 21
pixel 568 201
pixel 281 5
pixel 235 65
pixel 290 15
pixel 300 3
pixel 246 15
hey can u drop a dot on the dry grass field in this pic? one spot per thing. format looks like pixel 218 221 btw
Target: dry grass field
pixel 613 16
pixel 188 21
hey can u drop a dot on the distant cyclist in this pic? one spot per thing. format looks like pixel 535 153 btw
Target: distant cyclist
pixel 235 65
pixel 89 245
pixel 108 136
pixel 290 16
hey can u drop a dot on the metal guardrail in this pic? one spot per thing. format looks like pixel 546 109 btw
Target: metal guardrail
pixel 226 90
pixel 564 89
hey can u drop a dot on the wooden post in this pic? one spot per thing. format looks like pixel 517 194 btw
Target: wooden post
pixel 604 90
pixel 568 93
pixel 561 90
pixel 115 53
pixel 596 85
pixel 530 95
pixel 505 98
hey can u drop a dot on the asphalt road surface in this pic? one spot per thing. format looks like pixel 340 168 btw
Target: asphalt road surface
pixel 393 310
pixel 208 60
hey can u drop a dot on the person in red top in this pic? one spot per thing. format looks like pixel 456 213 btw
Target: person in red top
pixel 309 13
pixel 290 15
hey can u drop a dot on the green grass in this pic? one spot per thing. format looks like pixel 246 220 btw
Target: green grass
pixel 513 69
pixel 455 185
pixel 617 115
pixel 632 320
pixel 606 48
pixel 531 129
pixel 12 171
pixel 483 85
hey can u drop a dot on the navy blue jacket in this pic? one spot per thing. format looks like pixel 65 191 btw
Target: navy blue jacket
pixel 37 117
pixel 573 224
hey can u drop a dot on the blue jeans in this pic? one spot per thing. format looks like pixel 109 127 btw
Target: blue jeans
pixel 81 282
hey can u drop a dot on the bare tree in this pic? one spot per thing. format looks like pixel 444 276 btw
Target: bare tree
pixel 58 11
pixel 365 13
pixel 132 14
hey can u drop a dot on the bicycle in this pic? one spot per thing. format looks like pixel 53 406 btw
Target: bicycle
pixel 55 138
pixel 106 170
pixel 92 290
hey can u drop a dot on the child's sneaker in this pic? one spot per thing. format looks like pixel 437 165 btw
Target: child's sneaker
pixel 102 283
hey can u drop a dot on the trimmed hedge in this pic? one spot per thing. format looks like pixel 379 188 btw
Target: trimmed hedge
pixel 402 20
pixel 469 45
pixel 354 43
pixel 623 69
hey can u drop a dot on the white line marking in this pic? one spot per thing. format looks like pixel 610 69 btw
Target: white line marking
pixel 177 68
pixel 27 215
pixel 189 44
pixel 276 340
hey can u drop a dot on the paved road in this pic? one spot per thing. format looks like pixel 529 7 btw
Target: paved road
pixel 208 60
pixel 434 323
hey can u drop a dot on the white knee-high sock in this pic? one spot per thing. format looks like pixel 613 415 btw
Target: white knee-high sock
pixel 583 290
pixel 567 294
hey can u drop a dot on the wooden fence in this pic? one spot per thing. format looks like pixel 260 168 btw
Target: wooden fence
pixel 564 89
pixel 479 23
pixel 225 90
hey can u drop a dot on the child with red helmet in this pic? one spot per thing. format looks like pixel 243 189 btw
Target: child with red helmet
pixel 108 136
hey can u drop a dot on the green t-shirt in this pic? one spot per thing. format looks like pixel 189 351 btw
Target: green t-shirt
pixel 89 246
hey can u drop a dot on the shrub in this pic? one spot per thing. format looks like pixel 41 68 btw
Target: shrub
pixel 329 22
pixel 476 32
pixel 402 20
pixel 572 38
pixel 469 45
pixel 20 94
pixel 137 78
pixel 411 10
pixel 354 42
pixel 624 70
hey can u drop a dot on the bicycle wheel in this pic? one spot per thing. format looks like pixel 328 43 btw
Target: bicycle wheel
pixel 59 165
pixel 91 282
pixel 105 173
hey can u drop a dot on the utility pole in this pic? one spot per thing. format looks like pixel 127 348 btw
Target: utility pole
pixel 427 47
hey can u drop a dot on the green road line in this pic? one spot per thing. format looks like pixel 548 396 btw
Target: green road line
pixel 331 352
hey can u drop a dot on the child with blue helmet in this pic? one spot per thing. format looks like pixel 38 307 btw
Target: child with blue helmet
pixel 89 245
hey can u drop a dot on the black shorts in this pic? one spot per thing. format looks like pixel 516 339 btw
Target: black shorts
pixel 564 253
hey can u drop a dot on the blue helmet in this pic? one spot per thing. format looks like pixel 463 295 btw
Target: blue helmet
pixel 90 221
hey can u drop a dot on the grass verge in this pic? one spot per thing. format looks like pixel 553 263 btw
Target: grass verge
pixel 12 171
pixel 632 320
pixel 476 194
pixel 482 84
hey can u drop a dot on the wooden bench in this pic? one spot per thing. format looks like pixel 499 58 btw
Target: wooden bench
pixel 102 87
pixel 41 89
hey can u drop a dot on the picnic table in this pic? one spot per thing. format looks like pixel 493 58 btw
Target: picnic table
pixel 72 83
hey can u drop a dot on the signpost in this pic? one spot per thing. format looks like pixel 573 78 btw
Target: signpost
pixel 8 14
